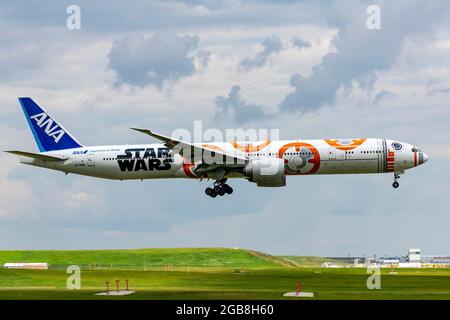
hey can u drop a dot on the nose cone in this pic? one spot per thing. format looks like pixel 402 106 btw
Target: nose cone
pixel 425 157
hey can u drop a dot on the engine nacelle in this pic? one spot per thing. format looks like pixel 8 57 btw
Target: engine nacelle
pixel 267 172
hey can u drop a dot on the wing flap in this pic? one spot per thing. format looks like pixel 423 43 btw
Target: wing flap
pixel 181 147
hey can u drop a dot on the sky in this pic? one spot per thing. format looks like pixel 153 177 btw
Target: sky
pixel 312 69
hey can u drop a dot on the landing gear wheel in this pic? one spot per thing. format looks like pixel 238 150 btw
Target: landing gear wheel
pixel 396 184
pixel 228 189
pixel 209 191
pixel 219 188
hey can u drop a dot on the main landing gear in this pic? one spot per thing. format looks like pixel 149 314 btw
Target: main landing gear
pixel 396 184
pixel 220 188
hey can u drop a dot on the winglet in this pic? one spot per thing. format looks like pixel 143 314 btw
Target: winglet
pixel 142 130
pixel 167 140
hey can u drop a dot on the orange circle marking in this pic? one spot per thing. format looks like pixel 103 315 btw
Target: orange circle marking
pixel 298 145
pixel 343 146
pixel 250 147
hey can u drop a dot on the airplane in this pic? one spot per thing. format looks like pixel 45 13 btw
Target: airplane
pixel 265 163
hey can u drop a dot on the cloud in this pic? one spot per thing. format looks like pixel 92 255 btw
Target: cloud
pixel 439 91
pixel 79 200
pixel 270 45
pixel 165 57
pixel 161 15
pixel 359 52
pixel 300 43
pixel 235 108
pixel 202 58
pixel 434 87
pixel 84 212
pixel 382 95
pixel 17 199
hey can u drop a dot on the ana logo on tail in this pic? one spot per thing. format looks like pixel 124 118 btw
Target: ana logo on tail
pixel 42 119
pixel 49 134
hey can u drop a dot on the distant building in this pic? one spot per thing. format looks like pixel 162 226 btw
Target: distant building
pixel 389 262
pixel 349 260
pixel 330 265
pixel 414 256
pixel 26 265
pixel 414 259
pixel 437 259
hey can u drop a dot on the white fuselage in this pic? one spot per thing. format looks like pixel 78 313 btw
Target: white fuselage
pixel 155 161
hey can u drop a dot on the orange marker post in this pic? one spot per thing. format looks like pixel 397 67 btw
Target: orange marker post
pixel 298 288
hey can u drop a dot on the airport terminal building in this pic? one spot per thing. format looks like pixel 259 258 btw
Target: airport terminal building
pixel 414 259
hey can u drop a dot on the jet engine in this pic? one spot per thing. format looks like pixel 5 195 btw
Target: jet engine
pixel 266 172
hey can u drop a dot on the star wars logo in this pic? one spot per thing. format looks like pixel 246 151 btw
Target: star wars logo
pixel 145 159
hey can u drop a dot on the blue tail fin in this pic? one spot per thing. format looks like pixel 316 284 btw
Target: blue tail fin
pixel 49 134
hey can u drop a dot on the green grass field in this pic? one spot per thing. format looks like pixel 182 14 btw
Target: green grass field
pixel 207 274
pixel 194 257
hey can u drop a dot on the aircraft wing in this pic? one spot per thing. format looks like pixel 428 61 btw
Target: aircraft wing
pixel 195 149
pixel 38 156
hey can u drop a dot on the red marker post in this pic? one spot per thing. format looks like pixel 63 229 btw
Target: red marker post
pixel 117 285
pixel 126 283
pixel 107 286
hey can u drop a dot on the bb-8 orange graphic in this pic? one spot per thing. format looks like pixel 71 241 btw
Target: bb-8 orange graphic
pixel 299 158
pixel 345 144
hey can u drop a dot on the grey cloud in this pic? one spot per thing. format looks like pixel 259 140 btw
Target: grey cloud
pixel 360 51
pixel 161 15
pixel 270 45
pixel 438 91
pixel 300 43
pixel 382 95
pixel 434 87
pixel 203 58
pixel 139 61
pixel 210 4
pixel 235 108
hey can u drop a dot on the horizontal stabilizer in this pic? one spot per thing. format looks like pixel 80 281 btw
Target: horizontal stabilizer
pixel 38 156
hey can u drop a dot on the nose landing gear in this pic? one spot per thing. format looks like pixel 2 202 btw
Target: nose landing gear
pixel 220 188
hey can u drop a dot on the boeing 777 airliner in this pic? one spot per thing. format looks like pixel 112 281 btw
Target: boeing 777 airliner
pixel 266 163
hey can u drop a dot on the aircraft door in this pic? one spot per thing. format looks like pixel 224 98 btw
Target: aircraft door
pixel 90 160
pixel 336 154
pixel 340 154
